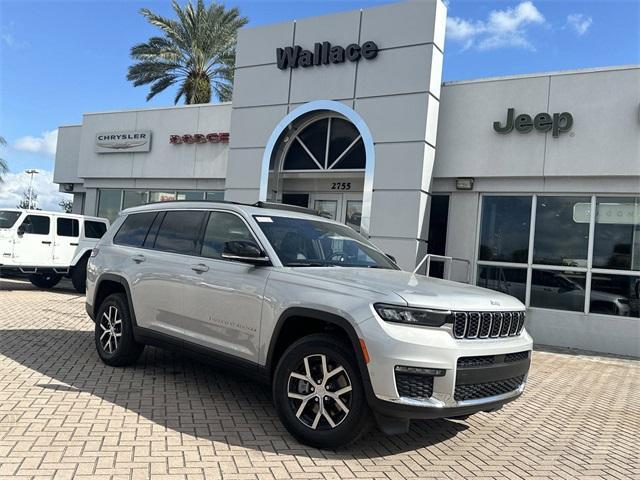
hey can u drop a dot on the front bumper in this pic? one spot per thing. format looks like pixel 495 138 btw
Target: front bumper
pixel 454 393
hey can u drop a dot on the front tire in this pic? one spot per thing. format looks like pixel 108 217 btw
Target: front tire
pixel 318 393
pixel 45 280
pixel 114 339
pixel 79 276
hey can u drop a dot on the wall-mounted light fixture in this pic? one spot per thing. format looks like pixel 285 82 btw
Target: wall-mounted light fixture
pixel 464 183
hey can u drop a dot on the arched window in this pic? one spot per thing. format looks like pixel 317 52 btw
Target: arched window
pixel 329 143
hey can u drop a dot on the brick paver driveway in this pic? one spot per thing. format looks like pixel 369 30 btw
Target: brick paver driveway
pixel 64 414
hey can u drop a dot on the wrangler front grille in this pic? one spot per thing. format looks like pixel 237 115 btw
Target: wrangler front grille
pixel 487 324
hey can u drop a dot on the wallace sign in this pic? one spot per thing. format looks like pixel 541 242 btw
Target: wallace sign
pixel 323 54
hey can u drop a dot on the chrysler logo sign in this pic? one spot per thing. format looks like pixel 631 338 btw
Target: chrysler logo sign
pixel 324 54
pixel 114 142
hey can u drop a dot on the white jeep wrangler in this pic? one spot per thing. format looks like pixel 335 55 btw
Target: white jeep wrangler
pixel 48 245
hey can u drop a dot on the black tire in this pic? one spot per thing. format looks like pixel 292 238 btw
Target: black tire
pixel 45 280
pixel 79 276
pixel 114 327
pixel 350 426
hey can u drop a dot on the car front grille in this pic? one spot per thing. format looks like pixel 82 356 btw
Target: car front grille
pixel 487 324
pixel 490 389
pixel 413 385
pixel 467 362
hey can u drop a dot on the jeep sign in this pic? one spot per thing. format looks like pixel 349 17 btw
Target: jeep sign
pixel 323 54
pixel 543 122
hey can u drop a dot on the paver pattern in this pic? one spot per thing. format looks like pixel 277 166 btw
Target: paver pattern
pixel 63 414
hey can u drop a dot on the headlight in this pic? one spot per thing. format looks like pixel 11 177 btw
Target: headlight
pixel 412 316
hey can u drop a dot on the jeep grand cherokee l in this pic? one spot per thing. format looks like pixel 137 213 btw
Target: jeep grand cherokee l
pixel 310 306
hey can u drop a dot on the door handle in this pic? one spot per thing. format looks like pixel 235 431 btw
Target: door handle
pixel 73 244
pixel 138 258
pixel 200 268
pixel 46 243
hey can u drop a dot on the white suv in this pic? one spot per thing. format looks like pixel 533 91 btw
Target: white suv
pixel 310 306
pixel 48 245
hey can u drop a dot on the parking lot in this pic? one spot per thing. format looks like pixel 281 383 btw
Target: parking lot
pixel 63 414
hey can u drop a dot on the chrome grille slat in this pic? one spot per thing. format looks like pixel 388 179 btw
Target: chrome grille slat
pixel 481 325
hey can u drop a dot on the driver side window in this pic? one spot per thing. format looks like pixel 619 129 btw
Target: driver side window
pixel 223 227
pixel 36 225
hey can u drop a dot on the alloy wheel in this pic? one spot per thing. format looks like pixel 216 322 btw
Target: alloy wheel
pixel 320 392
pixel 111 326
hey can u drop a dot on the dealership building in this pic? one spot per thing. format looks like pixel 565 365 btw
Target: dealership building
pixel 527 184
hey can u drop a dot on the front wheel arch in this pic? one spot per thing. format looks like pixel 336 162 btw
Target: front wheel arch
pixel 334 321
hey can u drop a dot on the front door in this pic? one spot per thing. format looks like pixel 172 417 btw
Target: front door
pixel 34 243
pixel 223 298
pixel 343 207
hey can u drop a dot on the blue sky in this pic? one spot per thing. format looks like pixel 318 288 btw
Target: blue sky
pixel 59 59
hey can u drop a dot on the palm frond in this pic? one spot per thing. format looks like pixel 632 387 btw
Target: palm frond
pixel 196 51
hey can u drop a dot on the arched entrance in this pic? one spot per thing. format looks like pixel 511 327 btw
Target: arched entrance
pixel 321 156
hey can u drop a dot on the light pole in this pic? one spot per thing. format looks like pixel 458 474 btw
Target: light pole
pixel 31 172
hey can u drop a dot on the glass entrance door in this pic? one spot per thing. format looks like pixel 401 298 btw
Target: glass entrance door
pixel 343 207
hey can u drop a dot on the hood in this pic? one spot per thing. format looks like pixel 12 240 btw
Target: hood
pixel 416 290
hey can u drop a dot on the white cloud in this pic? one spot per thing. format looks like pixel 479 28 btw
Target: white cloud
pixel 16 183
pixel 579 23
pixel 45 143
pixel 8 39
pixel 501 29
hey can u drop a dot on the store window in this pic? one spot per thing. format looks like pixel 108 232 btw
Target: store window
pixel 215 196
pixel 512 281
pixel 617 233
pixel 615 295
pixel 109 204
pixel 562 276
pixel 504 231
pixel 560 238
pixel 133 198
pixel 560 290
pixel 162 197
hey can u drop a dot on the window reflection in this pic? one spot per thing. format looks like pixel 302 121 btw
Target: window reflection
pixel 559 238
pixel 561 290
pixel 512 281
pixel 504 233
pixel 615 295
pixel 617 233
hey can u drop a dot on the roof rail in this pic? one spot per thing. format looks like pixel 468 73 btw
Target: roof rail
pixel 284 206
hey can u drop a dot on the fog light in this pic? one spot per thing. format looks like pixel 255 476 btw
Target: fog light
pixel 434 372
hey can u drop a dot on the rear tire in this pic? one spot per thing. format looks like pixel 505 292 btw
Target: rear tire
pixel 114 339
pixel 45 280
pixel 79 276
pixel 318 393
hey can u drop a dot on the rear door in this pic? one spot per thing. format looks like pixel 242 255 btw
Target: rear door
pixel 161 267
pixel 223 298
pixel 66 240
pixel 34 242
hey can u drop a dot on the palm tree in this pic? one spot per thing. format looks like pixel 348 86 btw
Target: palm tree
pixel 4 168
pixel 197 51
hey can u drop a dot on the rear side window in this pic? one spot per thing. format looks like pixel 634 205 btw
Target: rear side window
pixel 134 229
pixel 36 225
pixel 180 232
pixel 94 229
pixel 67 227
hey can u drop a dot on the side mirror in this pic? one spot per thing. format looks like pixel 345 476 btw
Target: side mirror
pixel 21 230
pixel 392 258
pixel 244 251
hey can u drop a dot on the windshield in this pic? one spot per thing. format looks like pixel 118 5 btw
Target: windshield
pixel 300 242
pixel 8 218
